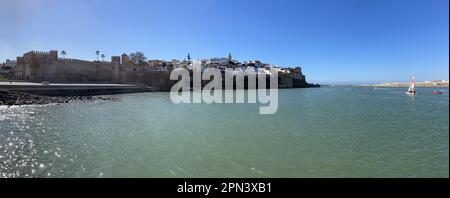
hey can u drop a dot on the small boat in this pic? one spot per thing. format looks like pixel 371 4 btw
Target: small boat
pixel 436 92
pixel 411 90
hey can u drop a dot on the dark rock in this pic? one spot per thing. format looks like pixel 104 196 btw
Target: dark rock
pixel 20 98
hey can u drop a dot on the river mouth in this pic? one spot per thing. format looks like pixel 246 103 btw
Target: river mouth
pixel 326 132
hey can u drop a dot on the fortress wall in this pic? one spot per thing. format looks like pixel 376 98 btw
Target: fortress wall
pixel 157 79
pixel 78 71
pixel 38 66
pixel 70 71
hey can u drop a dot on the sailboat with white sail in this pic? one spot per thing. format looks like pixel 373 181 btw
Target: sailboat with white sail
pixel 411 90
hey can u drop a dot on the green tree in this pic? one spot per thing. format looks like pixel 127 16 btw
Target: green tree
pixel 103 57
pixel 63 53
pixel 138 58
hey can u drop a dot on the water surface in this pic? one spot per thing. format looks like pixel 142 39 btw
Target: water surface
pixel 317 132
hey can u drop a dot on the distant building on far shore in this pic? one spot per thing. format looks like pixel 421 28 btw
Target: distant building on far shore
pixel 218 61
pixel 10 63
pixel 7 66
pixel 39 66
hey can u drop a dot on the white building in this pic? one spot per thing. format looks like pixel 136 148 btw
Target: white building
pixel 10 63
pixel 255 63
pixel 282 70
pixel 196 65
pixel 218 61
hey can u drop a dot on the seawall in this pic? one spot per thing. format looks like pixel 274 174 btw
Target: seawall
pixel 73 89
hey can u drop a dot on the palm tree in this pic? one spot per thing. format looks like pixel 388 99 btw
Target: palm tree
pixel 103 57
pixel 63 53
pixel 98 53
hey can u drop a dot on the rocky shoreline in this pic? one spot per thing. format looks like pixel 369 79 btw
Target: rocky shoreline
pixel 10 98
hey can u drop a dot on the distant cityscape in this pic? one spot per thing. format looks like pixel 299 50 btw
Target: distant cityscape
pixel 426 83
pixel 138 59
pixel 133 68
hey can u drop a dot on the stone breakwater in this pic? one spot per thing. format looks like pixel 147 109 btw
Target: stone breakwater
pixel 9 98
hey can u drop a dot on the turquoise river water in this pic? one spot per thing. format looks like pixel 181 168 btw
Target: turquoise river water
pixel 317 132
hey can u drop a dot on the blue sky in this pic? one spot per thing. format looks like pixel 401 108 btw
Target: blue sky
pixel 335 41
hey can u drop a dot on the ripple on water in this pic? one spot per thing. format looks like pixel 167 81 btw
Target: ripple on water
pixel 332 132
pixel 24 145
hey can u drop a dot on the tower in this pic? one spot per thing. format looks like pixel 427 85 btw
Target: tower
pixel 125 59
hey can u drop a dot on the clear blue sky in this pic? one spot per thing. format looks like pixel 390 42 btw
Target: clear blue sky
pixel 335 41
